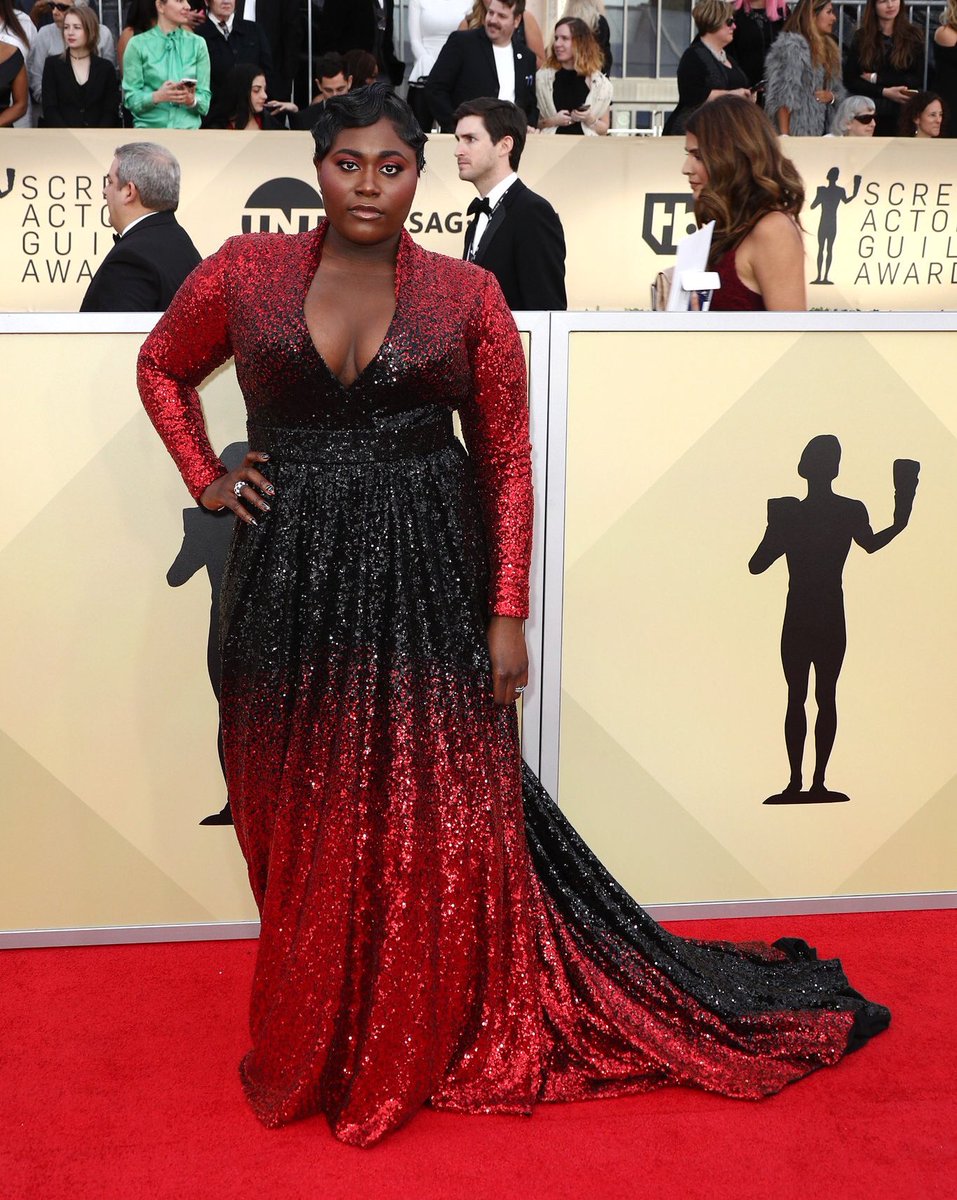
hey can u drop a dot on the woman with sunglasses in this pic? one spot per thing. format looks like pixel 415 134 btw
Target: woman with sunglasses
pixel 885 60
pixel 803 71
pixel 706 70
pixel 854 118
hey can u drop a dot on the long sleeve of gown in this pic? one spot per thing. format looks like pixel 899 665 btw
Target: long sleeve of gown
pixel 187 344
pixel 495 425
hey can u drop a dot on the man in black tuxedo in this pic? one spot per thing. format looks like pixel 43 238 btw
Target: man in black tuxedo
pixel 484 62
pixel 332 79
pixel 230 41
pixel 513 233
pixel 153 254
pixel 281 23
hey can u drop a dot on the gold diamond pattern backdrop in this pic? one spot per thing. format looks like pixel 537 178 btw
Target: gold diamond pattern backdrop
pixel 673 693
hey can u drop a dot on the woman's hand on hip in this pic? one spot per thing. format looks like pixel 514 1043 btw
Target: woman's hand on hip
pixel 506 648
pixel 238 490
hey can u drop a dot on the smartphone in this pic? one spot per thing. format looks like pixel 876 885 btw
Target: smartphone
pixel 190 83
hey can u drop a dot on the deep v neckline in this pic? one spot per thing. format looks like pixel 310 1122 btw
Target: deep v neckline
pixel 401 252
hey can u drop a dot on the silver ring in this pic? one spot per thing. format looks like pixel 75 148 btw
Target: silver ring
pixel 238 488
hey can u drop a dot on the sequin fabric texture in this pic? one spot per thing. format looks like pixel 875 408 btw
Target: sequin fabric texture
pixel 433 930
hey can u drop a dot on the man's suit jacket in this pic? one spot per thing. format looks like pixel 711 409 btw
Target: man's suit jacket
pixel 524 248
pixel 67 105
pixel 145 267
pixel 247 44
pixel 465 70
pixel 281 22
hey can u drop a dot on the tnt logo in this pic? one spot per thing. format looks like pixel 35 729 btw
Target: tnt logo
pixel 283 206
pixel 668 218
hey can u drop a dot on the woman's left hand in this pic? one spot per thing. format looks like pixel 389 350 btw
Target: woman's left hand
pixel 506 648
pixel 824 96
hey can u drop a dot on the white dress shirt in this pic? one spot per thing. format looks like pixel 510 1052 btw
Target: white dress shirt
pixel 494 199
pixel 505 70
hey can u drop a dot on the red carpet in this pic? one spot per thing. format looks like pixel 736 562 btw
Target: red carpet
pixel 118 1079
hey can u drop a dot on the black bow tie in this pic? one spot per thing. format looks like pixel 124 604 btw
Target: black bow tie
pixel 480 206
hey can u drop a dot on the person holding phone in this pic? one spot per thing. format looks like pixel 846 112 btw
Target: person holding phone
pixel 573 95
pixel 249 103
pixel 885 61
pixel 166 72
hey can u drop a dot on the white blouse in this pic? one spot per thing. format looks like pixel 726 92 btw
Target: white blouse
pixel 430 23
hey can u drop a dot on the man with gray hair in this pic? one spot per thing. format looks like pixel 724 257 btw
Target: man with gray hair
pixel 49 40
pixel 153 253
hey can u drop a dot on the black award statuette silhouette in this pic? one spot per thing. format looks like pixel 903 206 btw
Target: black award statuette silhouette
pixel 829 200
pixel 815 536
pixel 206 538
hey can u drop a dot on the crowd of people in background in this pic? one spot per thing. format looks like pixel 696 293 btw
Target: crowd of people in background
pixel 186 64
pixel 787 60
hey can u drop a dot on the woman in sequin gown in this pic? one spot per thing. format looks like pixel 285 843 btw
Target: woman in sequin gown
pixel 433 931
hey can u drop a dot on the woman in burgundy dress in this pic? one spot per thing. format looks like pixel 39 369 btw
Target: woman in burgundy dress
pixel 742 182
pixel 433 931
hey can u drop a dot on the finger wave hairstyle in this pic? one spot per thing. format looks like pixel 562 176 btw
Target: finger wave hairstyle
pixel 363 107
pixel 748 176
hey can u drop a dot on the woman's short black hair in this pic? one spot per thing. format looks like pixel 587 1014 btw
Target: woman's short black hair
pixel 362 107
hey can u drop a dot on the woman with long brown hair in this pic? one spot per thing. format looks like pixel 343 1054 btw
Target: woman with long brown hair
pixel 885 61
pixel 742 182
pixel 572 93
pixel 803 71
pixel 80 88
pixel 945 60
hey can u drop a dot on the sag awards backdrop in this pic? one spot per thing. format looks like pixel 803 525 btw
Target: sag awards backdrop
pixel 659 663
pixel 880 221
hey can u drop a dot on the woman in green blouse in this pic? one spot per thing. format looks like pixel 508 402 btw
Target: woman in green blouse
pixel 166 72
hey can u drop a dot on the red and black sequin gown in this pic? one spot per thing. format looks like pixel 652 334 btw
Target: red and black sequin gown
pixel 433 930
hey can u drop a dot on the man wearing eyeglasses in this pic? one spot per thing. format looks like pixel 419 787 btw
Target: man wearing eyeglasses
pixel 49 40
